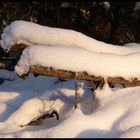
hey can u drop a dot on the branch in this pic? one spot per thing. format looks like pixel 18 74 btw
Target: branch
pixel 7 63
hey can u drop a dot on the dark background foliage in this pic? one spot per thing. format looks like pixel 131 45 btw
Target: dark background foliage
pixel 118 24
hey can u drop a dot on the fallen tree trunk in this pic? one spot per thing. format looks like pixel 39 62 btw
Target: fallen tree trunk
pixel 83 76
pixel 46 71
pixel 70 74
pixel 63 74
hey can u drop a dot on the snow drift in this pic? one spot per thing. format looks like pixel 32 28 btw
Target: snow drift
pixel 111 114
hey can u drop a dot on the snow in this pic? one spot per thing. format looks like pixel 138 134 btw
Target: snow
pixel 109 113
pixel 32 34
pixel 113 113
pixel 5 74
pixel 75 59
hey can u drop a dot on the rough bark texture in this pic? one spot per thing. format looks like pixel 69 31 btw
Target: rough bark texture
pixel 82 76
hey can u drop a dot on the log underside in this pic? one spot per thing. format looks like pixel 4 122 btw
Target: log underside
pixel 17 49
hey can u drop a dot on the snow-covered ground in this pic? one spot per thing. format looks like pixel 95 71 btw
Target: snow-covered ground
pixel 111 113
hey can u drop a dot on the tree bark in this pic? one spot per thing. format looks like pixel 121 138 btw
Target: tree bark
pixel 63 73
pixel 82 76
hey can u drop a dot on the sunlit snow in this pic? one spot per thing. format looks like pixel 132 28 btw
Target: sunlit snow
pixel 111 113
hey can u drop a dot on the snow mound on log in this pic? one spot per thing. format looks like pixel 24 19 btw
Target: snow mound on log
pixel 31 33
pixel 79 60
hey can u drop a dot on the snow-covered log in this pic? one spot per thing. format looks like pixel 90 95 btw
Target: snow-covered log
pixel 71 74
pixel 46 71
pixel 71 52
pixel 30 33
